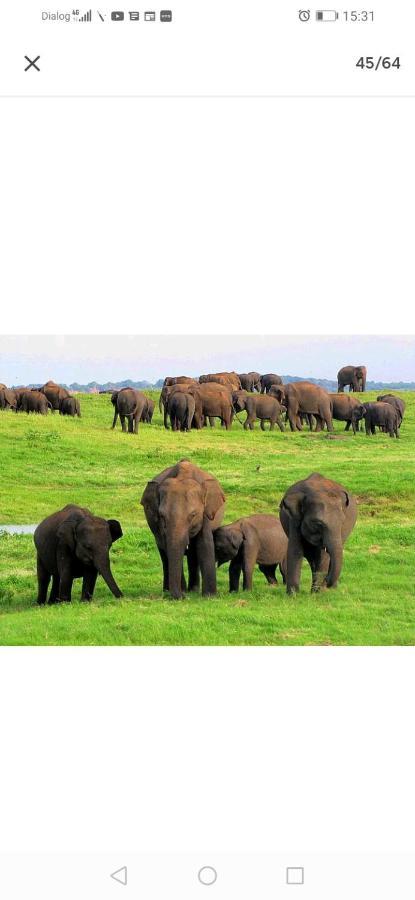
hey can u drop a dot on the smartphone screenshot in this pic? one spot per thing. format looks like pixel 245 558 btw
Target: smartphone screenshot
pixel 207 451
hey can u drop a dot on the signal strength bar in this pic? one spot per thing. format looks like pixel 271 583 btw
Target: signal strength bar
pixel 87 17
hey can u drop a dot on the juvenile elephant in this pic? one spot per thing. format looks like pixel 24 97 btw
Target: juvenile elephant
pixel 305 397
pixel 73 543
pixel 148 411
pixel 317 516
pixel 8 399
pixel 254 540
pixel 70 406
pixel 129 405
pixel 183 506
pixel 352 376
pixel 396 402
pixel 343 406
pixel 54 393
pixel 34 402
pixel 250 381
pixel 382 415
pixel 258 406
pixel 181 409
pixel 268 380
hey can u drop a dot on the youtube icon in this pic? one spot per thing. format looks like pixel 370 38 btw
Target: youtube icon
pixel 117 16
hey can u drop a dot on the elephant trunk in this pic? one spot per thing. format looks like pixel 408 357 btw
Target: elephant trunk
pixel 104 569
pixel 334 547
pixel 175 554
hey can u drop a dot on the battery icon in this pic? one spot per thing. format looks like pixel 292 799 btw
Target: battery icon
pixel 326 15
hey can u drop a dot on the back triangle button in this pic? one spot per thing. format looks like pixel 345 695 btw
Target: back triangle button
pixel 120 875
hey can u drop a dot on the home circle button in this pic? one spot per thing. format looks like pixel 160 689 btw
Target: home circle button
pixel 207 875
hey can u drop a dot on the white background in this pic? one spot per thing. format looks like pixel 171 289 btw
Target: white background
pixel 227 216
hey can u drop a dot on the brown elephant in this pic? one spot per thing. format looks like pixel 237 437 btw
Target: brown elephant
pixel 216 403
pixel 254 540
pixel 181 409
pixel 73 543
pixel 70 406
pixel 193 389
pixel 130 405
pixel 396 402
pixel 317 515
pixel 380 415
pixel 305 397
pixel 148 411
pixel 34 402
pixel 54 393
pixel 268 380
pixel 227 379
pixel 258 406
pixel 250 381
pixel 183 506
pixel 178 379
pixel 352 376
pixel 343 407
pixel 8 399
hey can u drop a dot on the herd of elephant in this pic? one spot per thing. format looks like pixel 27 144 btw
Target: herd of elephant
pixel 184 508
pixel 50 396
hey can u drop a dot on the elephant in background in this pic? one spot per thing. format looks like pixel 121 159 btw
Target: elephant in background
pixel 317 515
pixel 343 406
pixel 250 381
pixel 216 403
pixel 8 399
pixel 303 397
pixel 130 405
pixel 178 379
pixel 70 406
pixel 383 415
pixel 226 379
pixel 254 540
pixel 148 411
pixel 73 543
pixel 354 377
pixel 54 393
pixel 193 389
pixel 183 506
pixel 396 402
pixel 258 406
pixel 34 402
pixel 181 409
pixel 268 380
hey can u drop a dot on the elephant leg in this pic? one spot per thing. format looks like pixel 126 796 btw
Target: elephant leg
pixel 165 564
pixel 295 554
pixel 319 562
pixel 262 424
pixel 193 566
pixel 88 584
pixel 280 424
pixel 43 579
pixel 206 557
pixel 235 569
pixel 123 423
pixel 165 419
pixel 319 424
pixel 269 572
pixel 271 424
pixel 65 584
pixel 348 424
pixel 248 565
pixel 114 421
pixel 54 593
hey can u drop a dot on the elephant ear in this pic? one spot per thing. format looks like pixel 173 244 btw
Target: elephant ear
pixel 66 533
pixel 214 497
pixel 293 503
pixel 115 529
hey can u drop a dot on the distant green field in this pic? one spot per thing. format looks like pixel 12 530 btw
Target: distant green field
pixel 46 462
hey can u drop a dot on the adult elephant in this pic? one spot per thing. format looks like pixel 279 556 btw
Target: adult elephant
pixel 54 393
pixel 216 403
pixel 343 407
pixel 34 402
pixel 352 376
pixel 178 379
pixel 70 406
pixel 396 402
pixel 129 404
pixel 317 515
pixel 73 543
pixel 183 506
pixel 193 389
pixel 181 409
pixel 258 406
pixel 381 415
pixel 303 397
pixel 268 380
pixel 250 381
pixel 8 399
pixel 226 379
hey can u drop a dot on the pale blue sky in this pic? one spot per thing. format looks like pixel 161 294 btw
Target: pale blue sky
pixel 102 358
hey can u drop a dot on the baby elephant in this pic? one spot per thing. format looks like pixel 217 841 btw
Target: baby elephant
pixel 70 406
pixel 253 540
pixel 73 543
pixel 258 406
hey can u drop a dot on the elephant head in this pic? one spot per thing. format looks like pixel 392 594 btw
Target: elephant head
pixel 89 539
pixel 239 400
pixel 182 504
pixel 317 517
pixel 227 540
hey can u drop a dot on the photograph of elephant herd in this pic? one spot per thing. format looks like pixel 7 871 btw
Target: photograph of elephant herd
pixel 295 504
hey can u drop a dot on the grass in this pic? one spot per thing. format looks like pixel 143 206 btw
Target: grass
pixel 46 462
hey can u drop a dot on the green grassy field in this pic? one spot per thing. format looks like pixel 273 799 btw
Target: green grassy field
pixel 46 462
